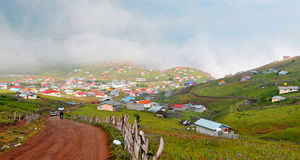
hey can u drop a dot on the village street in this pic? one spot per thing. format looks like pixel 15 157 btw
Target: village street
pixel 63 139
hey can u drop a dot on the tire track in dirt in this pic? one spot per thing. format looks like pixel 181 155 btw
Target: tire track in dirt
pixel 63 139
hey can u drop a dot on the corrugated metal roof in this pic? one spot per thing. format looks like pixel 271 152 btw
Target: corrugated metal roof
pixel 155 109
pixel 209 124
pixel 288 87
pixel 278 97
pixel 198 106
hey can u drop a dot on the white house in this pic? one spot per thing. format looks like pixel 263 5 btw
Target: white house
pixel 287 89
pixel 212 128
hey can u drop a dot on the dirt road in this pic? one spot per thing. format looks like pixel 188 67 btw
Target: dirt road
pixel 63 140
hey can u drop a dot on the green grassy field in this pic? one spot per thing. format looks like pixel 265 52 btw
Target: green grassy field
pixel 183 144
pixel 276 122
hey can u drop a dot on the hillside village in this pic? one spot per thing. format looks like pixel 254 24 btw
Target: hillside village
pixel 205 111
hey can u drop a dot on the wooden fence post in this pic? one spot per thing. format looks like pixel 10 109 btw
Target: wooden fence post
pixel 136 141
pixel 160 149
pixel 144 146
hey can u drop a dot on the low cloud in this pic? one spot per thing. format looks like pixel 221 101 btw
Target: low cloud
pixel 84 32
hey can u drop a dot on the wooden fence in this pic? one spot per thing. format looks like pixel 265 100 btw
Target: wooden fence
pixel 32 117
pixel 134 140
pixel 27 118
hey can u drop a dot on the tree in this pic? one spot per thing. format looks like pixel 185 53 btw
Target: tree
pixel 137 117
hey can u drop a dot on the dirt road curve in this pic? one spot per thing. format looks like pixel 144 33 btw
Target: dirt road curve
pixel 63 140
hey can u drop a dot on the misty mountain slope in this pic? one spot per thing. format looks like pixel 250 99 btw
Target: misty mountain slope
pixel 126 71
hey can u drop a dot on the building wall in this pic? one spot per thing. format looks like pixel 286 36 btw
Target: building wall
pixel 282 91
pixel 180 109
pixel 206 131
pixel 201 110
pixel 105 107
pixel 275 99
pixel 134 106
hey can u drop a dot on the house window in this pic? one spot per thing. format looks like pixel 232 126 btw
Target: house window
pixel 226 130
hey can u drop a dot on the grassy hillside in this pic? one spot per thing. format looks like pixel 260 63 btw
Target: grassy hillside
pixel 183 144
pixel 253 87
pixel 278 122
pixel 262 119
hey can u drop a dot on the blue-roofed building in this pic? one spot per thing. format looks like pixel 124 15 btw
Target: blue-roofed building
pixel 211 128
pixel 187 84
pixel 127 99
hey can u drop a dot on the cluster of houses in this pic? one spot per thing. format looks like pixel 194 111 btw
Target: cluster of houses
pixel 203 126
pixel 284 90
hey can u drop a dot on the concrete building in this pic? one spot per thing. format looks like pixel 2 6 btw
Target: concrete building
pixel 212 128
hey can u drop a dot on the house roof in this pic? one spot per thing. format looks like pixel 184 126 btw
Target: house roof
pixel 209 124
pixel 105 99
pixel 81 93
pixel 144 102
pixel 190 82
pixel 178 106
pixel 50 91
pixel 283 72
pixel 278 97
pixel 198 106
pixel 288 87
pixel 155 109
pixel 112 102
pixel 165 114
pixel 15 87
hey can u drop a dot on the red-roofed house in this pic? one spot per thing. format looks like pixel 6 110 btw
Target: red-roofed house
pixel 49 78
pixel 93 78
pixel 51 93
pixel 179 107
pixel 15 82
pixel 101 95
pixel 146 103
pixel 81 94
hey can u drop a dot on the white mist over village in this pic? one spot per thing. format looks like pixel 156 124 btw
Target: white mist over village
pixel 92 32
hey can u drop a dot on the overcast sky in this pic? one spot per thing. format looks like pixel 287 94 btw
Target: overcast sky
pixel 219 36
